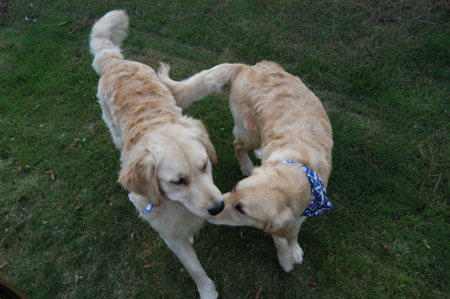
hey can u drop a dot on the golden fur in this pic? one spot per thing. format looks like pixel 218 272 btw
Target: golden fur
pixel 165 156
pixel 276 115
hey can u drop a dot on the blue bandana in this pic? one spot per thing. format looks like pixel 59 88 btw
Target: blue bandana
pixel 320 204
pixel 148 209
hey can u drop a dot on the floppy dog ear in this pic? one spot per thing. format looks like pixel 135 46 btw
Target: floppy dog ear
pixel 201 134
pixel 209 147
pixel 138 175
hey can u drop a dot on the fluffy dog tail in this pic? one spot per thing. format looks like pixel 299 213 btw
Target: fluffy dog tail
pixel 200 85
pixel 106 37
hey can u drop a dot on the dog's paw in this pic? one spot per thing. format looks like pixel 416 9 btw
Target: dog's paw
pixel 286 262
pixel 213 295
pixel 208 291
pixel 286 265
pixel 258 153
pixel 247 168
pixel 246 171
pixel 297 253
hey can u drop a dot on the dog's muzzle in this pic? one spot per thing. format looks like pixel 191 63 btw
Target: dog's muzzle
pixel 217 209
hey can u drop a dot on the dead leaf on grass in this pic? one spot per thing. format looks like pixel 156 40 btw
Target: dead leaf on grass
pixel 51 173
pixel 16 164
pixel 93 132
pixel 3 265
pixel 147 266
pixel 107 192
pixel 75 142
pixel 78 207
pixel 258 293
pixel 426 244
pixel 384 247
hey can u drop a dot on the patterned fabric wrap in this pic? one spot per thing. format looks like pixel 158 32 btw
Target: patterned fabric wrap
pixel 148 209
pixel 320 204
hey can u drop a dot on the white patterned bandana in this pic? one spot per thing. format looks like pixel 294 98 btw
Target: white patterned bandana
pixel 148 209
pixel 320 204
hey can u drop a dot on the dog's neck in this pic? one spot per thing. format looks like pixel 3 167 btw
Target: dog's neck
pixel 134 134
pixel 278 155
pixel 316 163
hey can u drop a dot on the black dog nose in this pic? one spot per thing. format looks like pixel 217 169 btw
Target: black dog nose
pixel 217 209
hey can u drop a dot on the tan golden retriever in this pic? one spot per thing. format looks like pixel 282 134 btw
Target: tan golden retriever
pixel 165 156
pixel 279 117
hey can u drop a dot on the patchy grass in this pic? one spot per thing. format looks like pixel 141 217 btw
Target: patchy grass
pixel 381 69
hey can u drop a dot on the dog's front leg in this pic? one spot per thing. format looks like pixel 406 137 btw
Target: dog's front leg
pixel 284 253
pixel 289 251
pixel 296 250
pixel 187 256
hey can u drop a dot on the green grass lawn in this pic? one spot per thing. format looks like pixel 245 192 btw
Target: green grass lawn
pixel 382 71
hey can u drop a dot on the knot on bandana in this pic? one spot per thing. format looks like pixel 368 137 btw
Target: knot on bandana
pixel 320 203
pixel 148 209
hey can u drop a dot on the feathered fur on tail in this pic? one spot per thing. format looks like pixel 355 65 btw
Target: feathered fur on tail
pixel 200 85
pixel 106 37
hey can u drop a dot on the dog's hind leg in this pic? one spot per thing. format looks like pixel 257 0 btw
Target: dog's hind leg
pixel 246 133
pixel 244 159
pixel 186 254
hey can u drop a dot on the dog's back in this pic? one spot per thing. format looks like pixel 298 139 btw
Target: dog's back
pixel 132 98
pixel 271 108
pixel 286 112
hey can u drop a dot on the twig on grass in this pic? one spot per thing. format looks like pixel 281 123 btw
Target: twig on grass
pixel 81 25
pixel 414 227
pixel 77 258
pixel 42 281
pixel 258 293
pixel 437 183
pixel 403 188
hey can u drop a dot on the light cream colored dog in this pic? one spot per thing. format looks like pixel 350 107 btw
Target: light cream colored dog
pixel 165 156
pixel 276 115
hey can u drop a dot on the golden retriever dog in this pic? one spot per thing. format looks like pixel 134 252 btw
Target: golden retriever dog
pixel 276 115
pixel 165 157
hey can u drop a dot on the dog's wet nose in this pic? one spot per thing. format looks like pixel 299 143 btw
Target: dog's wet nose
pixel 217 209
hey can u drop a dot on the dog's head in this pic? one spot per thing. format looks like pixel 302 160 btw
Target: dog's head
pixel 174 163
pixel 270 199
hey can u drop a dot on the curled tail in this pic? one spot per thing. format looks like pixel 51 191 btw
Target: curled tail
pixel 106 37
pixel 200 85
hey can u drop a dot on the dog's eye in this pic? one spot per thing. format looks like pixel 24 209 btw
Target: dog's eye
pixel 238 207
pixel 181 181
pixel 205 167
